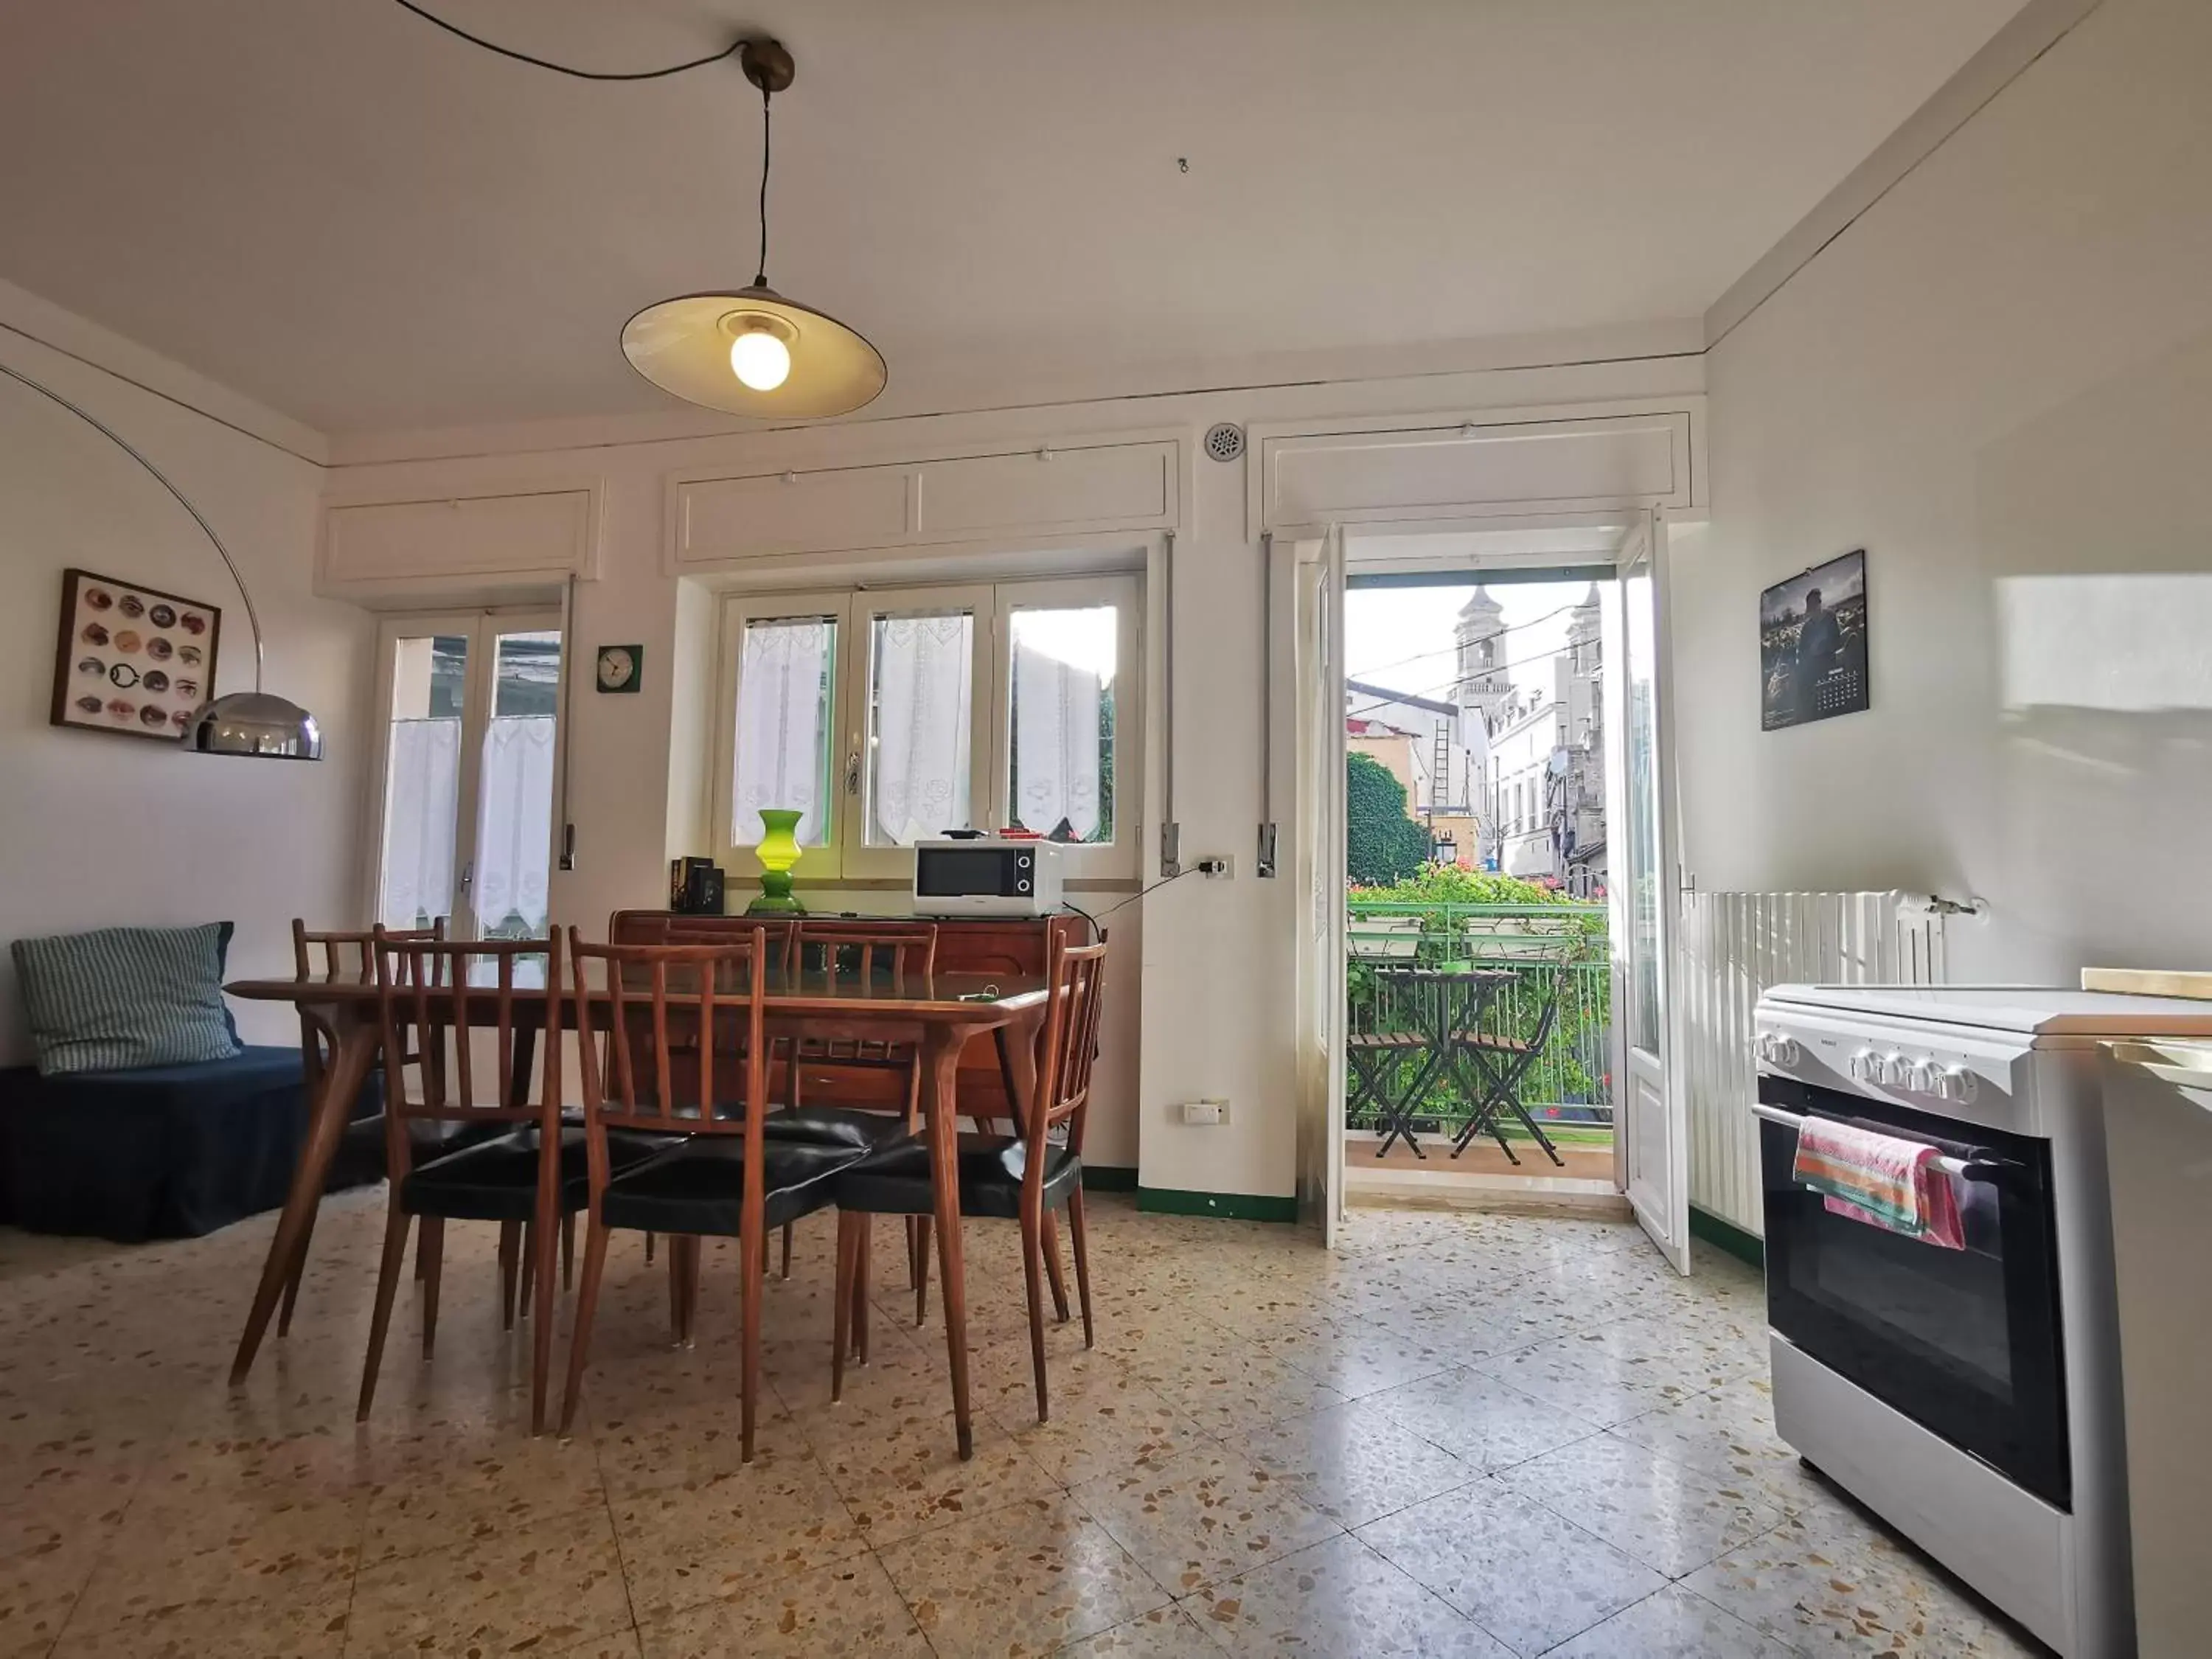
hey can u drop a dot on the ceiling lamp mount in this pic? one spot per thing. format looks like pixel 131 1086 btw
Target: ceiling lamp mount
pixel 749 350
pixel 768 65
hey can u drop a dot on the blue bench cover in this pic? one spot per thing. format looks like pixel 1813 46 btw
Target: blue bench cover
pixel 163 1151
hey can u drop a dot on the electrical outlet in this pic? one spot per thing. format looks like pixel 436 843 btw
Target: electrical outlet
pixel 1210 1113
pixel 1218 868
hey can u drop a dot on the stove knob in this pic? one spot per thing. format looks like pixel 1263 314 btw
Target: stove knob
pixel 1865 1065
pixel 1782 1051
pixel 1957 1083
pixel 1923 1077
pixel 1895 1069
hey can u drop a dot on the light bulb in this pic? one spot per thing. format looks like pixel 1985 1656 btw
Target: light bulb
pixel 760 360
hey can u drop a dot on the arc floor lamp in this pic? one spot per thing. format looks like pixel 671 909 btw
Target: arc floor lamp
pixel 257 723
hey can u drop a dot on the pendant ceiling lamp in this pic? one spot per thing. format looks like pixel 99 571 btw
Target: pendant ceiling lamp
pixel 751 351
pixel 257 722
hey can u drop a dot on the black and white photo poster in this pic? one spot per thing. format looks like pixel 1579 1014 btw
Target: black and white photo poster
pixel 1812 644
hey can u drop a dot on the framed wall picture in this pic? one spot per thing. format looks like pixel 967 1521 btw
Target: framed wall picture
pixel 131 658
pixel 1812 644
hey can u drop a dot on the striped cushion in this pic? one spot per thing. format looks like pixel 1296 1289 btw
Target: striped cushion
pixel 120 998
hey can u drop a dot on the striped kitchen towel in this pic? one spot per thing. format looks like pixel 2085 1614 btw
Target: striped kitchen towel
pixel 1899 1186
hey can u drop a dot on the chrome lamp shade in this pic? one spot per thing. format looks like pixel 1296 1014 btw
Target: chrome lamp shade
pixel 255 722
pixel 259 723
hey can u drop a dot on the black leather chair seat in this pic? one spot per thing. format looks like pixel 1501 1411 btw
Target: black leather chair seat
pixel 896 1182
pixel 699 1187
pixel 836 1126
pixel 497 1180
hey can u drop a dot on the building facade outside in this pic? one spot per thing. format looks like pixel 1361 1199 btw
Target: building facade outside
pixel 1506 777
pixel 1541 761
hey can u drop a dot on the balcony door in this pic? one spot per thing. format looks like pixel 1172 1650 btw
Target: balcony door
pixel 1651 1142
pixel 470 753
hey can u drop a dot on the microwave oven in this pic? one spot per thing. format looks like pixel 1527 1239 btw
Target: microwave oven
pixel 986 876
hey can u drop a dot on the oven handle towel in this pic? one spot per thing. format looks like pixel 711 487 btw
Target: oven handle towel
pixel 1898 1186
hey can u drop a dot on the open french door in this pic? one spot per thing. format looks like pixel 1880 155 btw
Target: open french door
pixel 1651 1139
pixel 1313 574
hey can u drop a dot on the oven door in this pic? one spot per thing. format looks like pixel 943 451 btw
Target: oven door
pixel 1967 1342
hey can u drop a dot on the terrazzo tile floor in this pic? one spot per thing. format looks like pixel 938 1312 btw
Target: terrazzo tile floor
pixel 1459 1434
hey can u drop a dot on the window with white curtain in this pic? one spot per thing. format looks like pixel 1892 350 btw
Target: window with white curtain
pixel 471 705
pixel 887 717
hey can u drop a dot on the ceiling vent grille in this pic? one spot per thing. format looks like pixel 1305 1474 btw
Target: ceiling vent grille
pixel 1225 442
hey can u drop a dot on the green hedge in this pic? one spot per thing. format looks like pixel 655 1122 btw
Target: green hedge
pixel 1382 843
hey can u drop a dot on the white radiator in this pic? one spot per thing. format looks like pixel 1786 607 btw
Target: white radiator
pixel 1734 947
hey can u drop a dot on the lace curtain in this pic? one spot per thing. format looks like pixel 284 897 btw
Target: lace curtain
pixel 923 693
pixel 514 828
pixel 782 709
pixel 1056 744
pixel 514 824
pixel 421 795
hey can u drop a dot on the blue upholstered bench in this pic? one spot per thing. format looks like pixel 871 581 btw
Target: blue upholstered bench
pixel 164 1151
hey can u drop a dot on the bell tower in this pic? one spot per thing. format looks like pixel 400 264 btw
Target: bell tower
pixel 1483 685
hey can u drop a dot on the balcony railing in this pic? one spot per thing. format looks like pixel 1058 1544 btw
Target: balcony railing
pixel 1556 953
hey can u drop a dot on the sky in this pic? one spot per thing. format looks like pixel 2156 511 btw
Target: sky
pixel 1401 637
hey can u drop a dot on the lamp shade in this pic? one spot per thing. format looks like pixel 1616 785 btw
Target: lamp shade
pixel 682 346
pixel 257 723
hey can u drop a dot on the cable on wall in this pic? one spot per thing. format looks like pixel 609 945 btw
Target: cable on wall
pixel 1170 831
pixel 566 858
pixel 1264 864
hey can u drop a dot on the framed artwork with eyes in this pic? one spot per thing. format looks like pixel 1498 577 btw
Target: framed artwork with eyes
pixel 132 659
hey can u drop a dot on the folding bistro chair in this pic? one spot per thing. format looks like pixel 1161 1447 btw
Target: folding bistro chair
pixel 1499 1064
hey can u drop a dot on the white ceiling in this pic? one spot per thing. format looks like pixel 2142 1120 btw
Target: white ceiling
pixel 369 225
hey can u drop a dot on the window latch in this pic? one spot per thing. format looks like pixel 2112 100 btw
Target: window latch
pixel 852 773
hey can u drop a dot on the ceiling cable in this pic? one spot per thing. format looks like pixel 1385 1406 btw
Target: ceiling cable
pixel 1520 662
pixel 730 50
pixel 760 279
pixel 1472 639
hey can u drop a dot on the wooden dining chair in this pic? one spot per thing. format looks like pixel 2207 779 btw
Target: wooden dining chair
pixel 346 957
pixel 1022 1178
pixel 674 928
pixel 859 951
pixel 526 1173
pixel 649 1060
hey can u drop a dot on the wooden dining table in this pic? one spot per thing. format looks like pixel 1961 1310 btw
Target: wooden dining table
pixel 937 1013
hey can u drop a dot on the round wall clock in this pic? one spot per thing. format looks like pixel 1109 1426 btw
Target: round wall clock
pixel 620 667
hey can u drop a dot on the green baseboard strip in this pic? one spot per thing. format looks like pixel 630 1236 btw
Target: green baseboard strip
pixel 1229 1207
pixel 1108 1178
pixel 1727 1236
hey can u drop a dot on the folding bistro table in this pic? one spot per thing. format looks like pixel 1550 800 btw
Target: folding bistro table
pixel 1416 1017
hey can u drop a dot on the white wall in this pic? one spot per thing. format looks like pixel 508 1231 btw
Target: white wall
pixel 1999 382
pixel 1213 1001
pixel 97 830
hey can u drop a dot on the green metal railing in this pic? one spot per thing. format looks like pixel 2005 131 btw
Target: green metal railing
pixel 1555 953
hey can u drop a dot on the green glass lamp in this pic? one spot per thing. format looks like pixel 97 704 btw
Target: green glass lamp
pixel 778 852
